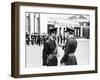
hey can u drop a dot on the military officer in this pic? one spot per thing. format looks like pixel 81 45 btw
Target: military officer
pixel 27 38
pixel 32 39
pixel 38 39
pixel 50 49
pixel 70 48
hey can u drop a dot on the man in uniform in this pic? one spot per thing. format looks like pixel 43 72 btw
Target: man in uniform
pixel 27 38
pixel 61 39
pixel 32 39
pixel 50 49
pixel 58 39
pixel 70 48
pixel 38 40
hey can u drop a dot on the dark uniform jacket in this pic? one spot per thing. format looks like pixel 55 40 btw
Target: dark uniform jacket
pixel 70 48
pixel 50 49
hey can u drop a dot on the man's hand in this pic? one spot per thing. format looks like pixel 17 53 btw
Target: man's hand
pixel 55 50
pixel 63 47
pixel 63 64
pixel 45 66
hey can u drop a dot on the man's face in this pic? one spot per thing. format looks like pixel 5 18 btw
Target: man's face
pixel 66 34
pixel 54 35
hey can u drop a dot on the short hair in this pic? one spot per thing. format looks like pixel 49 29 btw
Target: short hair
pixel 53 32
pixel 71 32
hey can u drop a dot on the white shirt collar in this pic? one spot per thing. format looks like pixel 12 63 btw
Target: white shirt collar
pixel 70 36
pixel 51 38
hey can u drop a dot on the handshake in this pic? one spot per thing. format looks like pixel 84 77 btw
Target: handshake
pixel 55 50
pixel 62 46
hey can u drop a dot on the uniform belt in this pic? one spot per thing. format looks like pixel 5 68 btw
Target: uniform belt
pixel 51 55
pixel 71 54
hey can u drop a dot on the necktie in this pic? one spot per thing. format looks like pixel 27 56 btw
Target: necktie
pixel 54 42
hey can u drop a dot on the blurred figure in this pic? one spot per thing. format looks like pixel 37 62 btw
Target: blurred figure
pixel 50 50
pixel 32 39
pixel 61 39
pixel 35 38
pixel 27 38
pixel 38 40
pixel 70 48
pixel 44 39
pixel 64 39
pixel 58 39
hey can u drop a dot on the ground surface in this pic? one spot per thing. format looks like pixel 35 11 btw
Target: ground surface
pixel 34 54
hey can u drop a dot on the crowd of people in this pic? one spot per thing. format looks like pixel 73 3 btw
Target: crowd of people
pixel 35 39
pixel 41 39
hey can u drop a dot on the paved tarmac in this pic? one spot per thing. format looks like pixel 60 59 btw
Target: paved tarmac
pixel 34 54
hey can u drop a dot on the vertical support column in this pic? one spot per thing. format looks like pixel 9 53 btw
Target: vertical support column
pixel 37 23
pixel 32 23
pixel 27 22
pixel 81 31
pixel 74 32
pixel 64 31
pixel 59 30
pixel 77 32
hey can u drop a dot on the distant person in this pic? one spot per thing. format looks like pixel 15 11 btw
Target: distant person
pixel 70 48
pixel 35 38
pixel 32 39
pixel 61 39
pixel 50 49
pixel 38 40
pixel 64 39
pixel 44 39
pixel 27 38
pixel 58 39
